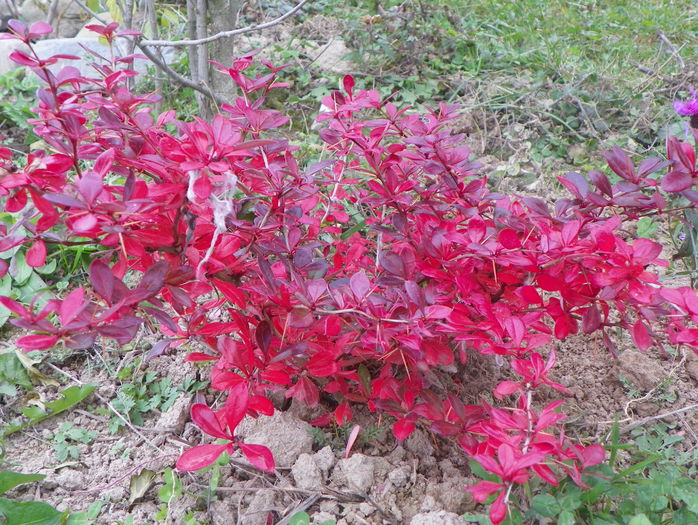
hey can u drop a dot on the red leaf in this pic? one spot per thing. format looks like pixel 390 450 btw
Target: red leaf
pixel 104 162
pixel 72 306
pixel 102 280
pixel 236 406
pixel 498 510
pixel 39 29
pixel 36 255
pixel 592 455
pixel 348 84
pixel 200 457
pixel 230 292
pixel 484 490
pixel 402 429
pixel 353 435
pixel 3 268
pixel 37 342
pixel 90 185
pixel 506 388
pixel 14 306
pixel 641 336
pixel 545 472
pixel 509 239
pixel 437 311
pixel 676 181
pixel 550 283
pixel 360 285
pixel 342 414
pixel 207 421
pixel 260 456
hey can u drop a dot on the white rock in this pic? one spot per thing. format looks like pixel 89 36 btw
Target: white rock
pixel 306 473
pixel 69 16
pixel 88 33
pixel 332 57
pixel 437 518
pixel 286 436
pixel 358 472
pixel 7 47
pixel 325 459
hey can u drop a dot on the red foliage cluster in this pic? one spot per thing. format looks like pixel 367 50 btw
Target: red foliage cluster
pixel 365 277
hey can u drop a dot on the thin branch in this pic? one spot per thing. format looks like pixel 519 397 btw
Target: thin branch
pixel 177 77
pixel 646 420
pixel 672 49
pixel 224 34
pixel 85 8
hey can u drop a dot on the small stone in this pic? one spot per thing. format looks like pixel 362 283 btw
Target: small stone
pixel 286 436
pixel 329 507
pixel 578 392
pixel 322 517
pixel 399 476
pixel 257 511
pixel 177 415
pixel 429 503
pixel 437 518
pixel 642 369
pixel 692 369
pixel 419 444
pixel 397 455
pixel 366 508
pixel 325 459
pixel 646 409
pixel 358 472
pixel 70 479
pixel 306 473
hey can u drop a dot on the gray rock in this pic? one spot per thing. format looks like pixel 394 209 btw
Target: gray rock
pixel 332 57
pixel 70 479
pixel 399 476
pixel 306 473
pixel 7 10
pixel 75 47
pixel 322 517
pixel 286 436
pixel 258 509
pixel 358 471
pixel 88 33
pixel 644 371
pixel 68 16
pixel 7 47
pixel 437 518
pixel 176 416
pixel 325 459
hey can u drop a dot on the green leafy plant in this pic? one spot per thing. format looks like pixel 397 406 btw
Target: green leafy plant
pixel 67 438
pixel 142 395
pixel 27 512
pixel 69 398
pixel 168 493
pixel 303 518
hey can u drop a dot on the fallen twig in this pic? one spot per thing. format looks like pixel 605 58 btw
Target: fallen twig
pixel 644 421
pixel 223 34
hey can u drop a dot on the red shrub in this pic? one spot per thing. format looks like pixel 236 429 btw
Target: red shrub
pixel 220 219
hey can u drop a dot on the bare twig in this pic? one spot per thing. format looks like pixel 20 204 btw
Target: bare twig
pixel 644 421
pixel 179 78
pixel 121 478
pixel 306 504
pixel 110 406
pixel 85 8
pixel 672 49
pixel 224 34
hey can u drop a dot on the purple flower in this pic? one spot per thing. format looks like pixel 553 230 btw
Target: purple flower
pixel 688 108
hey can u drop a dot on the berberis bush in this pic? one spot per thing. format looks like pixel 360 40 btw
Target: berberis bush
pixel 368 277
